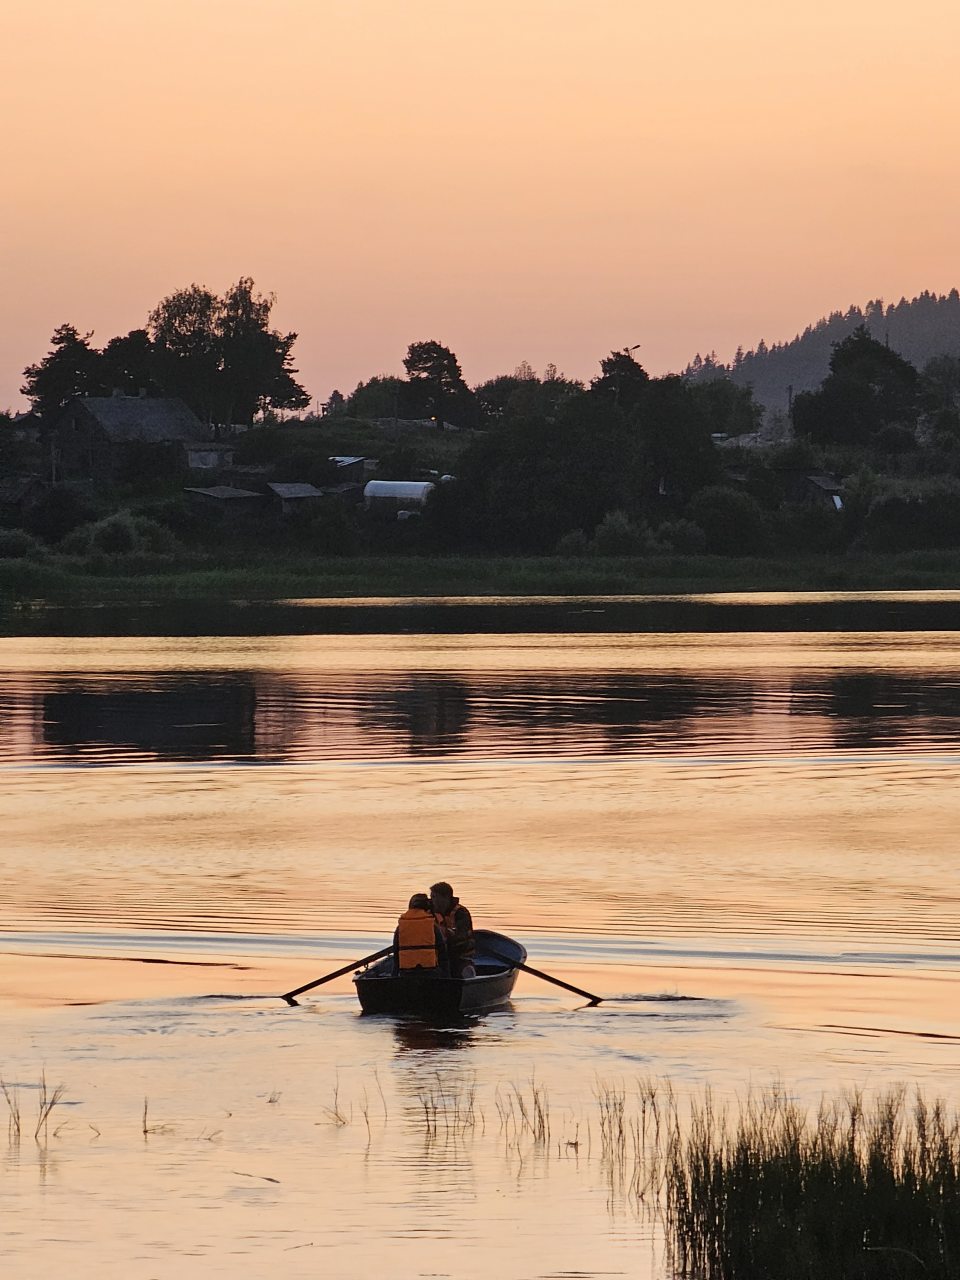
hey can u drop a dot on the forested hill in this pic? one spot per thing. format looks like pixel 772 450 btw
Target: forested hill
pixel 920 329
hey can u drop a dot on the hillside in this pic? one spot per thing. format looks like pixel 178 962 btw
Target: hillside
pixel 918 329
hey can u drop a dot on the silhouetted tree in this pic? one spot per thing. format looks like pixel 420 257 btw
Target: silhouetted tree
pixel 436 378
pixel 220 355
pixel 622 379
pixel 128 364
pixel 869 387
pixel 69 369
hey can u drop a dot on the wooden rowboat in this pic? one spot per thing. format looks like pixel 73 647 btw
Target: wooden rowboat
pixel 380 991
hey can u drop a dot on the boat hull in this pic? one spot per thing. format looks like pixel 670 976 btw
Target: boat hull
pixel 437 999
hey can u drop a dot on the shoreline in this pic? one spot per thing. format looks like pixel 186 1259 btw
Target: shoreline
pixel 62 581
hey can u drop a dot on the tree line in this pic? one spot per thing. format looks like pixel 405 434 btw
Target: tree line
pixel 217 353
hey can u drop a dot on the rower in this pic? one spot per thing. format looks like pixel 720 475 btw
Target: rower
pixel 457 925
pixel 418 942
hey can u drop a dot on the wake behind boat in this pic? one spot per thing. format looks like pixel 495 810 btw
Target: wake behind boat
pixel 497 963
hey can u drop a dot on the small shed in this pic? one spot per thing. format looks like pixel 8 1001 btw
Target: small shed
pixel 398 493
pixel 349 469
pixel 210 456
pixel 825 491
pixel 295 497
pixel 226 498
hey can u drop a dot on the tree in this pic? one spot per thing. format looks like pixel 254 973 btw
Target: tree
pixel 256 361
pixel 128 364
pixel 622 379
pixel 383 396
pixel 434 372
pixel 731 410
pixel 184 331
pixel 221 356
pixel 69 369
pixel 869 387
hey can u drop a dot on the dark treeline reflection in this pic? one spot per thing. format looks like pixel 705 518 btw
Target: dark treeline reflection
pixel 192 719
pixel 878 709
pixel 271 717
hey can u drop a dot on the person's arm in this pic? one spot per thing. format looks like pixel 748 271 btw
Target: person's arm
pixel 396 951
pixel 462 939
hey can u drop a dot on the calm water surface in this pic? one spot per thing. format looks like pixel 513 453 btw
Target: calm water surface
pixel 745 839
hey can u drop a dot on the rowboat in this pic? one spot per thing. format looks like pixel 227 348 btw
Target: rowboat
pixel 379 990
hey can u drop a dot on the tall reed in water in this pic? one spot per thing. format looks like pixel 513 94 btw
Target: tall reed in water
pixel 855 1193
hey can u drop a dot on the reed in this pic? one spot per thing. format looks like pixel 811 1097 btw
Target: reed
pixel 450 1106
pixel 47 1099
pixel 12 1097
pixel 853 1192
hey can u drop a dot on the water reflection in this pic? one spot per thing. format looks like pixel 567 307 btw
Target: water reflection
pixel 360 715
pixel 415 1036
pixel 187 719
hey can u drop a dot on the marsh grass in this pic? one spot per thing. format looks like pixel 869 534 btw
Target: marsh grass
pixel 47 1100
pixel 854 1192
pixel 524 1111
pixel 12 1097
pixel 449 1107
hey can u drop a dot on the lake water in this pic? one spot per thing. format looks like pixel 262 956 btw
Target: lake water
pixel 742 839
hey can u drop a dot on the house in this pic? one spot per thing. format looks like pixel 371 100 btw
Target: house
pixel 94 437
pixel 295 497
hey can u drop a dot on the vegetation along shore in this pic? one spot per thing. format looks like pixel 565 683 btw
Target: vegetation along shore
pixel 182 461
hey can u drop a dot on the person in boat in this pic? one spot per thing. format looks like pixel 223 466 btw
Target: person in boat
pixel 457 926
pixel 418 941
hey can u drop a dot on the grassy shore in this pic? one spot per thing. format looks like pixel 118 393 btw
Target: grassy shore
pixel 155 579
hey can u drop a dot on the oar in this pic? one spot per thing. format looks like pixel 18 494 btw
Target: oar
pixel 338 973
pixel 537 973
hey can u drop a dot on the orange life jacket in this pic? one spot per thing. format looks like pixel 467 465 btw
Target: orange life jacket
pixel 416 940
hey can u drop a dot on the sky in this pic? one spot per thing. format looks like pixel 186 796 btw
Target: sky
pixel 540 180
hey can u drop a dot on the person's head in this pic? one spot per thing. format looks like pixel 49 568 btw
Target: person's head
pixel 441 897
pixel 420 902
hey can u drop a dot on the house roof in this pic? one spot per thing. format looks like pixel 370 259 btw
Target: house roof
pixel 224 492
pixel 296 491
pixel 153 420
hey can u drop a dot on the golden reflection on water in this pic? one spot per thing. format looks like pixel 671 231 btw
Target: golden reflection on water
pixel 759 829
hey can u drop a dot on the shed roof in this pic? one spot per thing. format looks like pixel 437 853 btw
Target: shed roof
pixel 296 491
pixel 151 419
pixel 224 492
pixel 830 484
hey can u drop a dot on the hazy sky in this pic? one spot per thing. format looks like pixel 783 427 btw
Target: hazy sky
pixel 521 179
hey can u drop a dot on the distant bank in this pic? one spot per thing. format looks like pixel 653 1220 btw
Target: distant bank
pixel 208 579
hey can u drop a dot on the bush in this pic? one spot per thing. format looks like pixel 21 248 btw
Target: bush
pixel 618 535
pixel 572 544
pixel 732 521
pixel 16 544
pixel 120 534
pixel 681 536
pixel 59 511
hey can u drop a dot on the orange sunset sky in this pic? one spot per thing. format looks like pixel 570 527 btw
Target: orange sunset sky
pixel 521 179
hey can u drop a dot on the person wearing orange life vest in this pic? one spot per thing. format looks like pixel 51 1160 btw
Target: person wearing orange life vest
pixel 418 942
pixel 457 926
